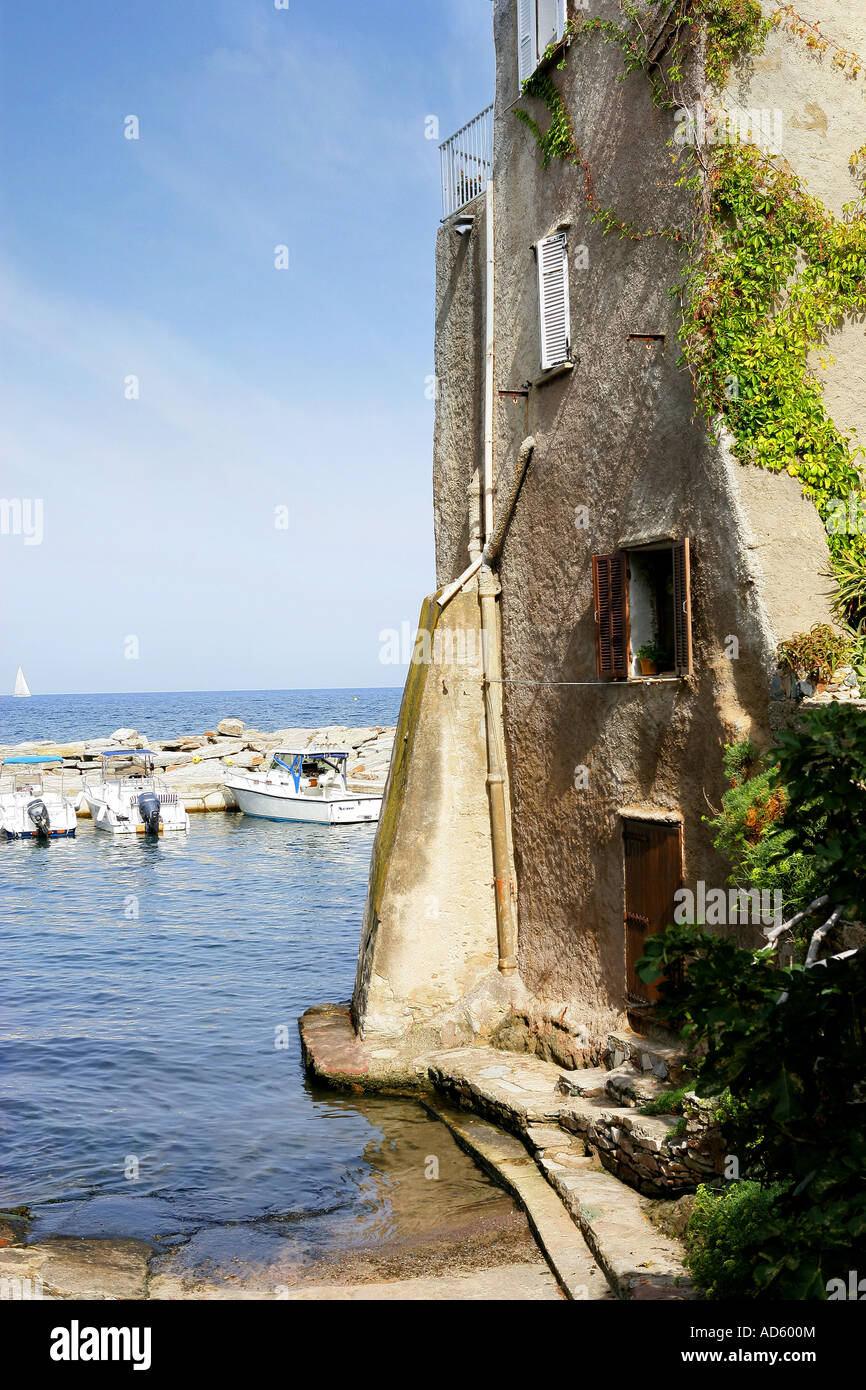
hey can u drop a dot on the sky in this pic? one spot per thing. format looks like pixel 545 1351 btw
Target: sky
pixel 217 470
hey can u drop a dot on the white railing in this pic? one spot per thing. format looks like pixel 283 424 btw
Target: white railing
pixel 467 163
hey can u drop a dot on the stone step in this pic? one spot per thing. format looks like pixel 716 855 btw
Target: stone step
pixel 586 1081
pixel 559 1236
pixel 639 1260
pixel 629 1087
pixel 665 1061
pixel 513 1089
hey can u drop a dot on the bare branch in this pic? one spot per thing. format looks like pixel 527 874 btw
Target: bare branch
pixel 777 932
pixel 819 936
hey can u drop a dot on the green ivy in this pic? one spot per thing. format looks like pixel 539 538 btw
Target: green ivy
pixel 770 272
pixel 778 275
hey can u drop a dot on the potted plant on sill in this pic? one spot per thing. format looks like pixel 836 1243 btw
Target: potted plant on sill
pixel 814 656
pixel 649 656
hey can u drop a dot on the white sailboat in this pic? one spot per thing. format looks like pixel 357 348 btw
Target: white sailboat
pixel 22 689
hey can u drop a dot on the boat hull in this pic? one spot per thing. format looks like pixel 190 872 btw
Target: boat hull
pixel 32 834
pixel 266 804
pixel 15 823
pixel 173 819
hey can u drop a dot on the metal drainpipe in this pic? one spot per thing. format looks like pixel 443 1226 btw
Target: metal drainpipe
pixel 491 648
pixel 506 921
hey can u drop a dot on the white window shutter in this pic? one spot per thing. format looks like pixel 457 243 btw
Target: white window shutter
pixel 527 56
pixel 553 300
pixel 561 17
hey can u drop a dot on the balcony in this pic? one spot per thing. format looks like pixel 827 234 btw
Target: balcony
pixel 467 163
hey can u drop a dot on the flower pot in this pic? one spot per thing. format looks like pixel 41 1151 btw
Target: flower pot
pixel 647 668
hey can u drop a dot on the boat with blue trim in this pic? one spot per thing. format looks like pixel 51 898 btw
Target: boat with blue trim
pixel 303 784
pixel 29 811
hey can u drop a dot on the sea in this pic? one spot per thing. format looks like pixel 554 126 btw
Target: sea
pixel 151 1080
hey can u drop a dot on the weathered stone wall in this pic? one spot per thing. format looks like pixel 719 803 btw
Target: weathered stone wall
pixel 429 931
pixel 458 446
pixel 617 435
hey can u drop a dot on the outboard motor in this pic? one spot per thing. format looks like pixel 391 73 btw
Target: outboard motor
pixel 148 805
pixel 38 813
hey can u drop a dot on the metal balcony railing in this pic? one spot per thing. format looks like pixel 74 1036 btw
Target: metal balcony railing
pixel 467 162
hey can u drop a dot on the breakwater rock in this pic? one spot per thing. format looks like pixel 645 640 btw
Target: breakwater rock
pixel 196 765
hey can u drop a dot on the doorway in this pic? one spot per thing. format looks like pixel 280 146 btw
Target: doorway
pixel 653 853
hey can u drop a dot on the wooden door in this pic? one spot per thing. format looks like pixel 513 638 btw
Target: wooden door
pixel 653 873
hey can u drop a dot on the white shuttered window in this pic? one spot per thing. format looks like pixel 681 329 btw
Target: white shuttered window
pixel 539 23
pixel 527 47
pixel 553 300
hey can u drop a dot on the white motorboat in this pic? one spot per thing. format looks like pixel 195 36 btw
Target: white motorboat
pixel 306 785
pixel 27 810
pixel 129 800
pixel 22 689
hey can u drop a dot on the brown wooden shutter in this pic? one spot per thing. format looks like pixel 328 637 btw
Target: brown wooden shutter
pixel 682 610
pixel 610 593
pixel 653 873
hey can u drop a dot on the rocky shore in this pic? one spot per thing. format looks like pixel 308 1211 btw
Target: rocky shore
pixel 196 765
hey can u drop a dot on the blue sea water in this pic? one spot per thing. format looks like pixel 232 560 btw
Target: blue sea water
pixel 151 1081
pixel 68 717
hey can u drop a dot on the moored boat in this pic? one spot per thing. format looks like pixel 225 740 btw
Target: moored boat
pixel 303 785
pixel 27 810
pixel 129 799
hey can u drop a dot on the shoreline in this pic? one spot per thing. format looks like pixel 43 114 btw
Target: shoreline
pixel 197 765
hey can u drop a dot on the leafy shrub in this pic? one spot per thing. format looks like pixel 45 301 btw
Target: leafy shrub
pixel 790 1046
pixel 750 830
pixel 815 654
pixel 822 768
pixel 725 1234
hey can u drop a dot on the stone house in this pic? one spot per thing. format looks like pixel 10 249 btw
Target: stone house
pixel 612 582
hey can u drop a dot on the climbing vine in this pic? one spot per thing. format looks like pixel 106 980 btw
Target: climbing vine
pixel 768 272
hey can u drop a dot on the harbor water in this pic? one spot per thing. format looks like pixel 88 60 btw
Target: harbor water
pixel 151 1082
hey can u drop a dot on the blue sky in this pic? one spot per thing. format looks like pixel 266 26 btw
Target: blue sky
pixel 259 388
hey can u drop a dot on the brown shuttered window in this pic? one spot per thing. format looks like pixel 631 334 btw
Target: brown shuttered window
pixel 610 591
pixel 682 610
pixel 653 873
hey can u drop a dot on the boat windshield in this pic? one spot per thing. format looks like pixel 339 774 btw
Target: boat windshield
pixel 310 768
pixel 118 767
pixel 27 773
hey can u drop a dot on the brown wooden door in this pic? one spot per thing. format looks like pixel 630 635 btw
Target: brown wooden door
pixel 653 873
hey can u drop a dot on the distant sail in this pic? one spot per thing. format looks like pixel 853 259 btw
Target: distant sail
pixel 21 687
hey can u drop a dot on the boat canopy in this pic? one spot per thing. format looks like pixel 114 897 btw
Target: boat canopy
pixel 32 761
pixel 128 753
pixel 311 753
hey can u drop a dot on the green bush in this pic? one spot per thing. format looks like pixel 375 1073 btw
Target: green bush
pixel 751 832
pixel 822 775
pixel 725 1235
pixel 790 1046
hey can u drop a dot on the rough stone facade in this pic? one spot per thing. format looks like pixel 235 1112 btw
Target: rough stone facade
pixel 615 433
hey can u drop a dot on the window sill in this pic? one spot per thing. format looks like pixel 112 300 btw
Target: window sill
pixel 552 373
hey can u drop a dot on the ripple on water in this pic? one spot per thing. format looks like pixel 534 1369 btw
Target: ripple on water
pixel 151 1037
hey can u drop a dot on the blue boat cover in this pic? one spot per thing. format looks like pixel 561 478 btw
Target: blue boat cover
pixel 19 762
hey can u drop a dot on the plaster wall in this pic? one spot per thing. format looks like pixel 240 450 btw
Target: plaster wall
pixel 429 929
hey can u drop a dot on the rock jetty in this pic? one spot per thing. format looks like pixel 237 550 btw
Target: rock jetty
pixel 196 765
